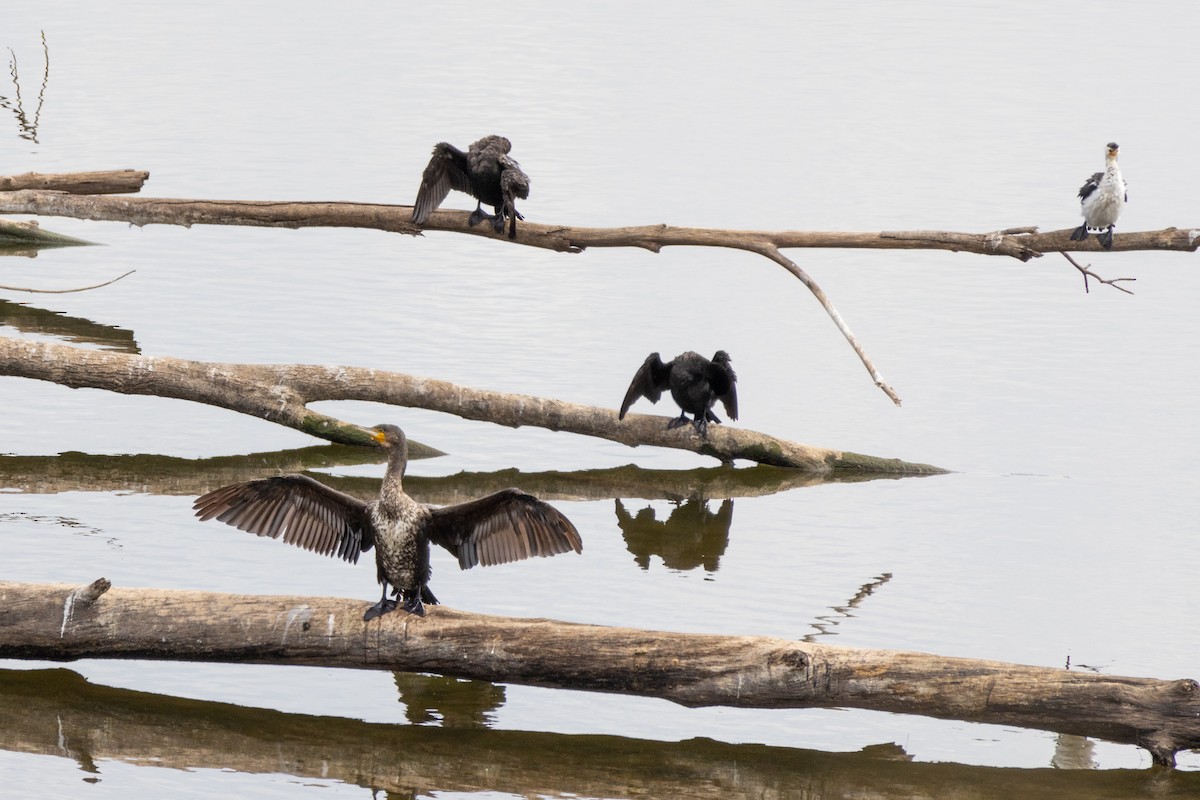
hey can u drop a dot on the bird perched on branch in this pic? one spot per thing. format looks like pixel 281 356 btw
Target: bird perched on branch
pixel 696 384
pixel 485 171
pixel 508 525
pixel 1101 198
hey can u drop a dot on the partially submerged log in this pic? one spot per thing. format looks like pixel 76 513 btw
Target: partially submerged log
pixel 280 393
pixel 26 238
pixel 57 713
pixel 63 623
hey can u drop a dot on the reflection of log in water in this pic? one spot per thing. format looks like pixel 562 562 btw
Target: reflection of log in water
pixel 167 475
pixel 55 712
pixel 692 536
pixel 27 319
pixel 152 474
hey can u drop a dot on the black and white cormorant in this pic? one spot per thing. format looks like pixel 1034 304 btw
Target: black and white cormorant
pixel 485 171
pixel 508 525
pixel 1101 199
pixel 696 384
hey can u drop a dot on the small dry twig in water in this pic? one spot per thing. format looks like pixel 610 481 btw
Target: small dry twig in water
pixel 1086 272
pixel 65 291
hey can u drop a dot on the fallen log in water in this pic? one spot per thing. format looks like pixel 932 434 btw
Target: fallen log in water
pixel 281 393
pixel 63 623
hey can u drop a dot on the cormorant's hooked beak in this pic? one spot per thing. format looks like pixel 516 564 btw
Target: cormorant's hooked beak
pixel 378 436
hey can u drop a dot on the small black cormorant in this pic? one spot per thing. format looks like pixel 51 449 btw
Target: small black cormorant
pixel 696 384
pixel 508 525
pixel 485 171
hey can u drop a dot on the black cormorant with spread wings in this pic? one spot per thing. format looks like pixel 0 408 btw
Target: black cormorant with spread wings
pixel 485 171
pixel 696 384
pixel 508 525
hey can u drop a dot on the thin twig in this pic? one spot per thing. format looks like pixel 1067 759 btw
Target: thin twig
pixel 1087 272
pixel 772 252
pixel 65 291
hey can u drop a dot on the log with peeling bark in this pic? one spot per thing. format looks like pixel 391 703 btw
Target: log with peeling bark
pixel 279 393
pixel 59 714
pixel 63 623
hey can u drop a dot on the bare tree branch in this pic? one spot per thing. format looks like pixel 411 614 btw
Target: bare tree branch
pixel 66 291
pixel 1086 271
pixel 693 670
pixel 279 393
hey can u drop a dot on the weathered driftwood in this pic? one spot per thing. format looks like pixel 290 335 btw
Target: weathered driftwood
pixel 279 393
pixel 52 622
pixel 55 712
pixel 113 181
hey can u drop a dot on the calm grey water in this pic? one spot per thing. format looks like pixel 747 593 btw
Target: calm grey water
pixel 1067 530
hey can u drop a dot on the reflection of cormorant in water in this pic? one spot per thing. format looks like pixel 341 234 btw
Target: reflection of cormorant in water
pixel 456 703
pixel 692 536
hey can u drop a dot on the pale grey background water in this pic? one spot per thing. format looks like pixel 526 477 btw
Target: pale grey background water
pixel 1067 530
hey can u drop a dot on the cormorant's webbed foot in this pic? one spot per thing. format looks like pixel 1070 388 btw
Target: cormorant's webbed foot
pixel 678 422
pixel 379 609
pixel 701 424
pixel 477 216
pixel 413 604
pixel 1077 235
pixel 498 223
pixel 1106 238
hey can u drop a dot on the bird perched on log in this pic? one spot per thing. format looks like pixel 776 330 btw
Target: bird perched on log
pixel 485 171
pixel 1101 200
pixel 696 384
pixel 508 525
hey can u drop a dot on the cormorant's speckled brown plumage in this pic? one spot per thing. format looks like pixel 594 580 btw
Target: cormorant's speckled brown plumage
pixel 485 171
pixel 508 525
pixel 696 384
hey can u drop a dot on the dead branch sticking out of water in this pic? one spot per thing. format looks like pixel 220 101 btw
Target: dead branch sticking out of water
pixel 53 622
pixel 280 393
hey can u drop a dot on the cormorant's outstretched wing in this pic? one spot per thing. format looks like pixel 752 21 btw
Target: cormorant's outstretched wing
pixel 1090 185
pixel 508 525
pixel 296 508
pixel 649 381
pixel 447 170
